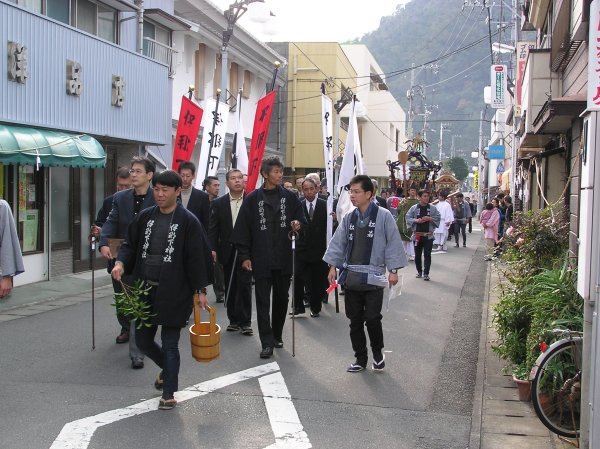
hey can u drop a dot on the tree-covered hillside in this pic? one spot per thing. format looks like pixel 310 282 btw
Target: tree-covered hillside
pixel 430 31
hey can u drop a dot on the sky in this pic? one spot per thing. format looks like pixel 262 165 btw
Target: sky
pixel 319 20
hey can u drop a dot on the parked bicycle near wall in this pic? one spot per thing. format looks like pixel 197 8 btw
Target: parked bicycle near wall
pixel 556 384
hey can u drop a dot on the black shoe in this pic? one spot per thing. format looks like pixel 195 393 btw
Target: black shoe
pixel 266 353
pixel 426 277
pixel 298 313
pixel 233 328
pixel 314 314
pixel 378 362
pixel 220 300
pixel 166 404
pixel 419 275
pixel 123 337
pixel 464 245
pixel 247 330
pixel 356 367
pixel 278 343
pixel 137 363
pixel 457 246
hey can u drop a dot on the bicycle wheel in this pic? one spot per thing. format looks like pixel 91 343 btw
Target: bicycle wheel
pixel 556 387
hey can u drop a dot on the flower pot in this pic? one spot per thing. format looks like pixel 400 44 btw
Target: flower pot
pixel 524 388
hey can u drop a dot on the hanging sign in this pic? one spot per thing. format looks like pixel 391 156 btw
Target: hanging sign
pixel 190 116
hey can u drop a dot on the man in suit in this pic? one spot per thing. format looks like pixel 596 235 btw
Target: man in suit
pixel 238 283
pixel 311 270
pixel 379 200
pixel 123 183
pixel 193 199
pixel 211 186
pixel 126 205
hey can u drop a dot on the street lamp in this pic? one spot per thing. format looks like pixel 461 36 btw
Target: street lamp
pixel 259 12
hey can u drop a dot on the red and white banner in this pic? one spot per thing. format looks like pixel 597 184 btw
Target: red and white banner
pixel 190 116
pixel 262 120
pixel 522 53
pixel 241 152
pixel 327 116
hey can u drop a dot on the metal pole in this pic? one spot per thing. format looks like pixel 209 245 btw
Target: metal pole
pixel 480 165
pixel 230 278
pixel 92 256
pixel 293 293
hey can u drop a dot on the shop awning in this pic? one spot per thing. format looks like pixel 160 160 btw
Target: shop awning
pixel 22 145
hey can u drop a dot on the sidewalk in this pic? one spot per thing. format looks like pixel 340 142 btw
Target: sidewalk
pixel 500 420
pixel 40 297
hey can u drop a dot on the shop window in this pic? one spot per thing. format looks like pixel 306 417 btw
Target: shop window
pixel 29 213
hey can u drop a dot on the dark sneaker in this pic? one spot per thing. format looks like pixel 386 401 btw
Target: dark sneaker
pixel 266 353
pixel 457 245
pixel 419 275
pixel 464 245
pixel 247 330
pixel 167 404
pixel 298 313
pixel 378 362
pixel 233 328
pixel 220 300
pixel 123 337
pixel 355 367
pixel 137 363
pixel 426 277
pixel 278 344
pixel 314 314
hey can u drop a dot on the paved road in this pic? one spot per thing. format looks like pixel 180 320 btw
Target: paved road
pixel 49 377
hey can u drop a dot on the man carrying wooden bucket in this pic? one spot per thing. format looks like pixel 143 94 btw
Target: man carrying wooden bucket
pixel 167 247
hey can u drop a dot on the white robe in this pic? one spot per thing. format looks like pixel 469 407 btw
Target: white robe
pixel 447 217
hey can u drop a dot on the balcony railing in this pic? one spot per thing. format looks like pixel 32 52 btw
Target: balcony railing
pixel 161 53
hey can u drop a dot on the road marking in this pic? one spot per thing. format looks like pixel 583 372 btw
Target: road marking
pixel 284 419
pixel 288 430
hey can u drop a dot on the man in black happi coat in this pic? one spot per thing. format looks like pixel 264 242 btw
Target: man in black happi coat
pixel 261 238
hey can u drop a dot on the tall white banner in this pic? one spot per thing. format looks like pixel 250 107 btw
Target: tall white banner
pixel 593 80
pixel 218 118
pixel 352 158
pixel 327 115
pixel 241 152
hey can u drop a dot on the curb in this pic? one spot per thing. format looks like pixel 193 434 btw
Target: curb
pixel 476 416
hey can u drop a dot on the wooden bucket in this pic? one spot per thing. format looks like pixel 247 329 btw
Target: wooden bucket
pixel 205 336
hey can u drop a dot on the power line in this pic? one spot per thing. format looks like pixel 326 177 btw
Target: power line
pixel 457 74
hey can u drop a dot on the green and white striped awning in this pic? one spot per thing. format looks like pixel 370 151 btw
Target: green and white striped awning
pixel 31 146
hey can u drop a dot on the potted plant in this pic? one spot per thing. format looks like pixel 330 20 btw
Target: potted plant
pixel 520 375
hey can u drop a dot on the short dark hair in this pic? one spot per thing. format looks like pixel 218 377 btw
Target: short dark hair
pixel 269 163
pixel 123 173
pixel 365 183
pixel 500 195
pixel 233 170
pixel 314 183
pixel 187 165
pixel 459 195
pixel 420 193
pixel 168 178
pixel 508 199
pixel 489 206
pixel 208 180
pixel 148 163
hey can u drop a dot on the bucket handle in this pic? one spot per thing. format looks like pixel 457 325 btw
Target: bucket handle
pixel 211 310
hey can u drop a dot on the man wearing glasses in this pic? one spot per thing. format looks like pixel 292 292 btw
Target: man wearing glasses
pixel 126 205
pixel 365 244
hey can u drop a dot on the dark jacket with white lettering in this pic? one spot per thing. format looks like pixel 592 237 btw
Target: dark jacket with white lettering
pixel 186 267
pixel 254 241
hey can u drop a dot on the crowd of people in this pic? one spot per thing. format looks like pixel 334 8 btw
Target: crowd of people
pixel 180 240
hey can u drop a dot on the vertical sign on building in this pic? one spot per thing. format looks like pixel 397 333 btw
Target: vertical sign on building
pixel 498 83
pixel 522 53
pixel 593 90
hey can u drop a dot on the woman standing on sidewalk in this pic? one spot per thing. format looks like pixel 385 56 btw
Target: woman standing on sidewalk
pixel 490 218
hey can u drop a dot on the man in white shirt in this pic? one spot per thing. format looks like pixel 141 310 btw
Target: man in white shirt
pixel 447 217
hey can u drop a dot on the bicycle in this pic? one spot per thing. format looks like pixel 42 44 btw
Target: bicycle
pixel 556 384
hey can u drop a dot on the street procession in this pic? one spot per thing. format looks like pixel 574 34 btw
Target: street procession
pixel 248 224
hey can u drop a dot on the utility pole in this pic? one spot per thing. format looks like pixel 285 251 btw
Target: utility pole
pixel 480 164
pixel 443 126
pixel 411 95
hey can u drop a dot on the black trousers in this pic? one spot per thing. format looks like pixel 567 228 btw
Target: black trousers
pixel 239 301
pixel 424 247
pixel 312 274
pixel 269 329
pixel 458 228
pixel 364 308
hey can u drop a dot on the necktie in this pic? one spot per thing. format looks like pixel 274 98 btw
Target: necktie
pixel 311 211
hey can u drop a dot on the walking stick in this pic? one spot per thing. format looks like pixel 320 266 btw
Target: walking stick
pixel 92 257
pixel 337 301
pixel 293 235
pixel 230 278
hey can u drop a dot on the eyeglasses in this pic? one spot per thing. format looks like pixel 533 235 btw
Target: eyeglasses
pixel 355 192
pixel 136 171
